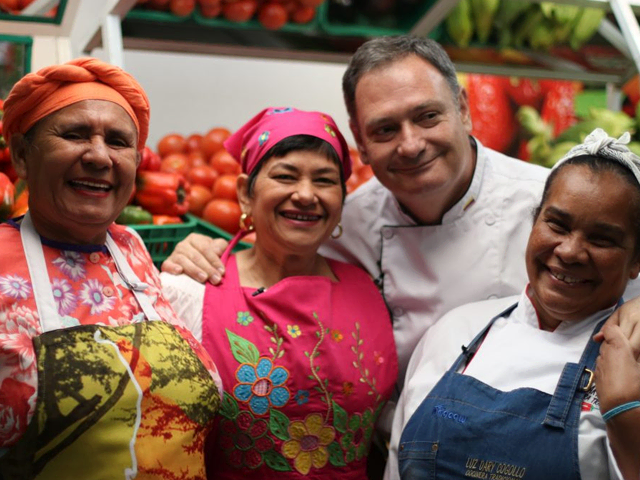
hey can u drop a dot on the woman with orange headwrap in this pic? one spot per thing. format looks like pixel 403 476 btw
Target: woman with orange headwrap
pixel 98 377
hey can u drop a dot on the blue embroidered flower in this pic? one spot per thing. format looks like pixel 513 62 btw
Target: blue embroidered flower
pixel 244 318
pixel 262 386
pixel 264 136
pixel 302 397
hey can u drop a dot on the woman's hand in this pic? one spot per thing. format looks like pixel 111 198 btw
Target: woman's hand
pixel 197 256
pixel 627 317
pixel 617 383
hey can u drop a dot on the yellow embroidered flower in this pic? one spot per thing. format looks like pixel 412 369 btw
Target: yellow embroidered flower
pixel 294 331
pixel 308 444
pixel 336 335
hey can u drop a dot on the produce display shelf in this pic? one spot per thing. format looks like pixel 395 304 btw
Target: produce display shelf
pixel 156 16
pixel 364 26
pixel 160 240
pixel 310 27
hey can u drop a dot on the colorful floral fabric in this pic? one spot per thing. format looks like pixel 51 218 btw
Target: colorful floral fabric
pixel 88 291
pixel 306 378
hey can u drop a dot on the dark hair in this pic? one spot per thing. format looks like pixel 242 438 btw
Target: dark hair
pixel 299 143
pixel 599 165
pixel 382 51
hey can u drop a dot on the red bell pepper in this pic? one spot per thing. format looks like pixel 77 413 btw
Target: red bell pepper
pixel 150 160
pixel 7 193
pixel 166 220
pixel 162 193
pixel 558 107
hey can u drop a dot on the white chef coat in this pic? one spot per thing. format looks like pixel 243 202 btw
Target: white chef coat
pixel 516 353
pixel 425 271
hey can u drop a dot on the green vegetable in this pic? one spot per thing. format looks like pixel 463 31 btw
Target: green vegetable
pixel 134 215
pixel 459 24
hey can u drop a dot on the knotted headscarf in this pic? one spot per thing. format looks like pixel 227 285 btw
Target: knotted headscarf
pixel 52 88
pixel 253 140
pixel 599 144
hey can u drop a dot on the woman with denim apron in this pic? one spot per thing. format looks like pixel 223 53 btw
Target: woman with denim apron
pixel 98 377
pixel 533 395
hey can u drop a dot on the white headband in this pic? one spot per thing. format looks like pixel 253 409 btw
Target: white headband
pixel 599 144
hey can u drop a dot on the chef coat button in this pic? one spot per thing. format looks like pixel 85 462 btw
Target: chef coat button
pixel 490 220
pixel 107 291
pixel 492 296
pixel 387 232
pixel 398 311
pixel 94 257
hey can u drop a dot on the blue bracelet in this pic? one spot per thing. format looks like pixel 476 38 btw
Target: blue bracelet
pixel 619 409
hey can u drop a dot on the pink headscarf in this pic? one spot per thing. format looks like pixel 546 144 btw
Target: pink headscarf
pixel 250 143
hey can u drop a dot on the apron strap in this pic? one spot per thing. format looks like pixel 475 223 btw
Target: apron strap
pixel 42 292
pixel 468 352
pixel 575 381
pixel 132 281
pixel 229 250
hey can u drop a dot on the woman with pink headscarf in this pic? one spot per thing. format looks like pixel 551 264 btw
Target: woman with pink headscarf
pixel 98 377
pixel 304 343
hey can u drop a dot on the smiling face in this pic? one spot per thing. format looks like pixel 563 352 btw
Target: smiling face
pixel 80 164
pixel 296 202
pixel 581 250
pixel 411 131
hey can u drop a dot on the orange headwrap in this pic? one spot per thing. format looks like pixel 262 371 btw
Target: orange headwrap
pixel 39 94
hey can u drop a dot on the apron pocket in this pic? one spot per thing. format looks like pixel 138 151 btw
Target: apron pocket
pixel 417 460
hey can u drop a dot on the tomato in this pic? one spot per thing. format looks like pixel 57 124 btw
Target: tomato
pixel 272 16
pixel 9 5
pixel 224 163
pixel 159 4
pixel 213 140
pixel 224 214
pixel 193 142
pixel 203 175
pixel 198 198
pixel 166 219
pixel 175 162
pixel 240 10
pixel 182 8
pixel 172 143
pixel 303 14
pixel 196 159
pixel 211 11
pixel 225 187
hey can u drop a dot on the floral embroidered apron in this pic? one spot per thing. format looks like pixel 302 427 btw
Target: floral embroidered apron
pixel 309 363
pixel 113 402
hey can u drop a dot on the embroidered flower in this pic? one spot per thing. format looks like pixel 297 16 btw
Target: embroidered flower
pixel 309 441
pixel 91 295
pixel 347 388
pixel 262 386
pixel 71 264
pixel 336 335
pixel 302 397
pixel 245 440
pixel 15 286
pixel 379 359
pixel 244 318
pixel 64 296
pixel 294 331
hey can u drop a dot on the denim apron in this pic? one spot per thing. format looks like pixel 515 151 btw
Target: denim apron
pixel 466 429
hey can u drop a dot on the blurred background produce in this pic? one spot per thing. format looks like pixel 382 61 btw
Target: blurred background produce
pixel 271 14
pixel 520 23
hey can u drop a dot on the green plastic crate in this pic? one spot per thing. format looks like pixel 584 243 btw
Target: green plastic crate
pixel 160 240
pixel 368 27
pixel 156 16
pixel 206 228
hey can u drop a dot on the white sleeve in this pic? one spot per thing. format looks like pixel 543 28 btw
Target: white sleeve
pixel 186 297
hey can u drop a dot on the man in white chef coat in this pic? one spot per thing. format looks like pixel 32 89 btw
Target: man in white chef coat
pixel 445 220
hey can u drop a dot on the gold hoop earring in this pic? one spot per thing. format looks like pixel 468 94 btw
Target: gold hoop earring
pixel 242 222
pixel 339 232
